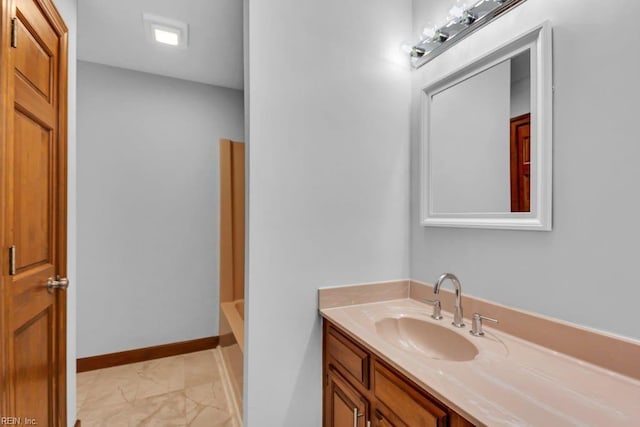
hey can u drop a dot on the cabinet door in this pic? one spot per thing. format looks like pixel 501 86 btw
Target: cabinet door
pixel 344 406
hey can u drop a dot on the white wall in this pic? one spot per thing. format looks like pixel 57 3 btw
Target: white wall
pixel 328 182
pixel 148 207
pixel 585 270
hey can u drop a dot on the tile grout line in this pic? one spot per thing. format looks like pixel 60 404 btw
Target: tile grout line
pixel 226 386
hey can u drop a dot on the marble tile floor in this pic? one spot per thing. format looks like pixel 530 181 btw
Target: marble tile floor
pixel 186 390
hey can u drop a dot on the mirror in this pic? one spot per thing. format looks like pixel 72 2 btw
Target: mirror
pixel 486 140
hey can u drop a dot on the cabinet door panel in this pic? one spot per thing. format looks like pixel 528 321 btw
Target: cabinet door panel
pixel 344 404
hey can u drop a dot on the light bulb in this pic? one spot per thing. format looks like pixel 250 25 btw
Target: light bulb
pixel 429 32
pixel 406 48
pixel 457 10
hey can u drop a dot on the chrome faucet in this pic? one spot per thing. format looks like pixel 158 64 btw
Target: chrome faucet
pixel 457 313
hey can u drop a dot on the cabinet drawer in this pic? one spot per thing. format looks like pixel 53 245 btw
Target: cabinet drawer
pixel 381 420
pixel 349 358
pixel 407 404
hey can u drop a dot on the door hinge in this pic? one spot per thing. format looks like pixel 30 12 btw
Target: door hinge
pixel 12 260
pixel 14 32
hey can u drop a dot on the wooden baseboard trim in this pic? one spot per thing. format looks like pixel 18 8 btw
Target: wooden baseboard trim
pixel 77 424
pixel 227 340
pixel 142 354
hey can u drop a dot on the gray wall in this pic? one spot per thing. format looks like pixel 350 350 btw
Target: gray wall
pixel 520 84
pixel 585 270
pixel 468 144
pixel 329 175
pixel 521 97
pixel 148 207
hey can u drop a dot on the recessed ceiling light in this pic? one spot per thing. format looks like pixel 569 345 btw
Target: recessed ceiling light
pixel 167 37
pixel 166 31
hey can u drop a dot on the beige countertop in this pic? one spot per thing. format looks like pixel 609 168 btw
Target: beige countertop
pixel 511 382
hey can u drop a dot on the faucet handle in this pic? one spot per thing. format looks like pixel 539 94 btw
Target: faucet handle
pixel 437 307
pixel 476 324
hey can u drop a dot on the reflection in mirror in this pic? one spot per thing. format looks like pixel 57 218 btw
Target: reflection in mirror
pixel 479 141
pixel 486 134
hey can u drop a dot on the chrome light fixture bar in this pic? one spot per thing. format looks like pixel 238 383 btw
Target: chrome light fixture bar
pixel 465 22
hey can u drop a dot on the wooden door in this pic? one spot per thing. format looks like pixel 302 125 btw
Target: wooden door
pixel 232 220
pixel 345 406
pixel 34 54
pixel 521 164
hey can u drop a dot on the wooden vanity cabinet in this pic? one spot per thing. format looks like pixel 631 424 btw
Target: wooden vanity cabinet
pixel 363 391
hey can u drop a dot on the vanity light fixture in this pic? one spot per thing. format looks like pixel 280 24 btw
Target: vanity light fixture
pixel 462 21
pixel 166 31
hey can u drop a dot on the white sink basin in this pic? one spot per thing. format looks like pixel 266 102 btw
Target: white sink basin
pixel 426 338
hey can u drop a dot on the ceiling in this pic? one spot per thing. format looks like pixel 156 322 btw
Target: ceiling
pixel 112 33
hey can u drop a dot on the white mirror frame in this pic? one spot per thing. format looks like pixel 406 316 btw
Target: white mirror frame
pixel 538 40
